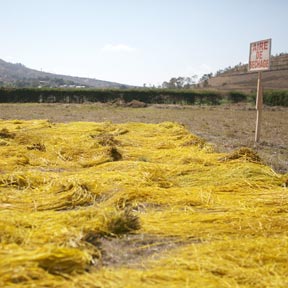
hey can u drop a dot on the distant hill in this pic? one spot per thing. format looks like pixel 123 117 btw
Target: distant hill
pixel 17 75
pixel 238 77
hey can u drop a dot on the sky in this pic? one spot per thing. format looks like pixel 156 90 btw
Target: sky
pixel 138 41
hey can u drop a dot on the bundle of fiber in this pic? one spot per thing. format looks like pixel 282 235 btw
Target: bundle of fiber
pixel 136 205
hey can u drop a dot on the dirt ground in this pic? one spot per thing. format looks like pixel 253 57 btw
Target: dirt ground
pixel 227 127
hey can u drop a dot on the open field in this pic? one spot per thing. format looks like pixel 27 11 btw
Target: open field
pixel 227 127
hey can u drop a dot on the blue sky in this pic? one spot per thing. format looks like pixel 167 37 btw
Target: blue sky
pixel 136 42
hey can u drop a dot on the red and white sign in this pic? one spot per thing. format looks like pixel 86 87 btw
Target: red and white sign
pixel 259 58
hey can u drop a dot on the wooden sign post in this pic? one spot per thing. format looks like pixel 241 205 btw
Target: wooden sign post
pixel 259 60
pixel 259 107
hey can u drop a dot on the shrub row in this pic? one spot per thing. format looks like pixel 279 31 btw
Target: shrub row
pixel 156 96
pixel 149 96
pixel 276 98
pixel 272 97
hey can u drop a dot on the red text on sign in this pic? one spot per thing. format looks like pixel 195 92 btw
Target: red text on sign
pixel 260 46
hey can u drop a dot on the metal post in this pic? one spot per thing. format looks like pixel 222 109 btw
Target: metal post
pixel 259 107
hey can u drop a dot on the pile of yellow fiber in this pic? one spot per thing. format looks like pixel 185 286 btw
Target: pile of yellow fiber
pixel 136 205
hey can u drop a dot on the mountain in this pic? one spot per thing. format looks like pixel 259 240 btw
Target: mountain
pixel 238 77
pixel 17 75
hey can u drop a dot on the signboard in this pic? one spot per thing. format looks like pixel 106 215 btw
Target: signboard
pixel 259 57
pixel 259 60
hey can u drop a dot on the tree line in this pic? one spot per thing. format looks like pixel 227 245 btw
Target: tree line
pixel 187 82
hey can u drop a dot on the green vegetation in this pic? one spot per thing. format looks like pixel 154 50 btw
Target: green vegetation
pixel 276 98
pixel 272 98
pixel 236 96
pixel 149 96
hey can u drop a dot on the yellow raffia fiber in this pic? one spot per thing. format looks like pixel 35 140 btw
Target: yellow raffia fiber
pixel 136 205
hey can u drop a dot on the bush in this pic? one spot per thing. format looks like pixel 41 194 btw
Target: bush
pixel 235 96
pixel 276 98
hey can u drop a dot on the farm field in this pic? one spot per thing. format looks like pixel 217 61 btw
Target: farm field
pixel 227 127
pixel 163 196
